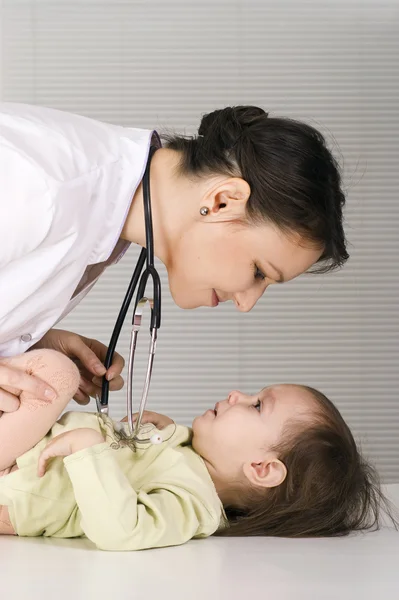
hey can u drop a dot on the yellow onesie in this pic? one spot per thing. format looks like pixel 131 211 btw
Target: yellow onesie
pixel 118 497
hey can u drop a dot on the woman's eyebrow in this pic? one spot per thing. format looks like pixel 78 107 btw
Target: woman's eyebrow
pixel 280 278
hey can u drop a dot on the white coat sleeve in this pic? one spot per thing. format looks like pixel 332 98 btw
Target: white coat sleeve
pixel 26 217
pixel 26 206
pixel 115 517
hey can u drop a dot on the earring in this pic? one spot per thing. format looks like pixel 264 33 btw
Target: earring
pixel 204 211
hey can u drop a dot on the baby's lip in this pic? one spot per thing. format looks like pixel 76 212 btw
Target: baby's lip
pixel 222 297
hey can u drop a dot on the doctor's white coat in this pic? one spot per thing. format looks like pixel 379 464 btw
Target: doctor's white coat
pixel 66 185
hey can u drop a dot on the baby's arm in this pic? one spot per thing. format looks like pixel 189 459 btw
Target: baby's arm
pixel 68 443
pixel 116 517
pixel 22 429
pixel 160 421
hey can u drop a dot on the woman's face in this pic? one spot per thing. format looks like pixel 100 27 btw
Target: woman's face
pixel 216 261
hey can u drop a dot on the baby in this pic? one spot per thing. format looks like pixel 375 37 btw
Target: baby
pixel 279 463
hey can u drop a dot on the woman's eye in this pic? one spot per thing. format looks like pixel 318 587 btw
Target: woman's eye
pixel 259 274
pixel 258 405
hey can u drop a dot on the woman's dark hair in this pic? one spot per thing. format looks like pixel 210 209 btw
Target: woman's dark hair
pixel 330 490
pixel 294 179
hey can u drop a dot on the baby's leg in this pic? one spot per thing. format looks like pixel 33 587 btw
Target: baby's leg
pixel 6 527
pixel 22 429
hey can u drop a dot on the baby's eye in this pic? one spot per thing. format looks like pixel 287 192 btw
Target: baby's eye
pixel 258 405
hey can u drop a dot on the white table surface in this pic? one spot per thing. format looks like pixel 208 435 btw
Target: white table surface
pixel 364 566
pixel 361 566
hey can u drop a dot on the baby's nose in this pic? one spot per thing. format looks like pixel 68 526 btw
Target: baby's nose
pixel 236 396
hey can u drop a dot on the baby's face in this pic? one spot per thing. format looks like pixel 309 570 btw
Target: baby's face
pixel 242 429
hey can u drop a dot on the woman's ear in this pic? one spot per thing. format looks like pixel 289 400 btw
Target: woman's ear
pixel 227 200
pixel 267 474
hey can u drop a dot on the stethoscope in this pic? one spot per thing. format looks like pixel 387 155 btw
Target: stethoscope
pixel 141 276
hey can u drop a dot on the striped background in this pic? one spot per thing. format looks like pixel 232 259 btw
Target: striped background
pixel 162 64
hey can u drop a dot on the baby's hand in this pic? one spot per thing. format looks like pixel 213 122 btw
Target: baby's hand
pixel 68 443
pixel 160 421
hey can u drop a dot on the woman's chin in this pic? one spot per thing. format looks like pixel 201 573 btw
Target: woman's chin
pixel 184 301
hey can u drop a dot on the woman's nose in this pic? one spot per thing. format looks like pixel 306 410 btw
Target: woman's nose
pixel 245 301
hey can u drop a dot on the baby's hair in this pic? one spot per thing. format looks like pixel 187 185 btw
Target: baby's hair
pixel 294 179
pixel 330 489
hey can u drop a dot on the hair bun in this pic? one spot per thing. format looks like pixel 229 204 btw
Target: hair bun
pixel 247 115
pixel 225 126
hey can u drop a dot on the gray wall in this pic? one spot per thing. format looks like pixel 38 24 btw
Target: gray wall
pixel 162 64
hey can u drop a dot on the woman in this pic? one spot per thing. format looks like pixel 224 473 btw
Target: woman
pixel 248 202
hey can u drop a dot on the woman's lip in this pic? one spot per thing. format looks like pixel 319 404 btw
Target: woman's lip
pixel 215 299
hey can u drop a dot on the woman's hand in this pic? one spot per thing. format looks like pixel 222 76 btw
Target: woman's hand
pixel 89 356
pixel 68 443
pixel 160 421
pixel 14 381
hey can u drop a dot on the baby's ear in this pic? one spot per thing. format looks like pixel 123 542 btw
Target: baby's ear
pixel 269 473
